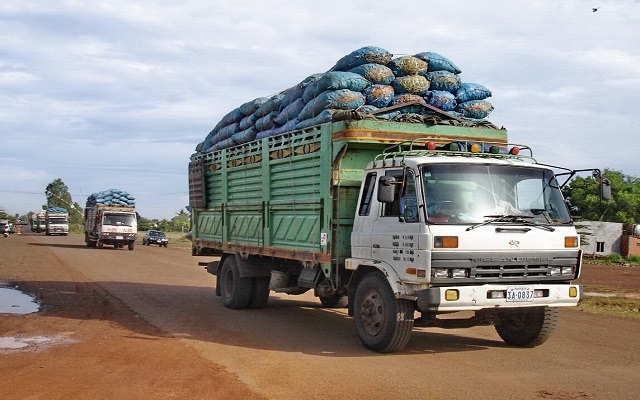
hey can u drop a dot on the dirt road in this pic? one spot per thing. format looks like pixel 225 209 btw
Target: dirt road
pixel 146 324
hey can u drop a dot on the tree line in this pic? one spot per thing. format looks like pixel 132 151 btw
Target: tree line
pixel 581 194
pixel 57 195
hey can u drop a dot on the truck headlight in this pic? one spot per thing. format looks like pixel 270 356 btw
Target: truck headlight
pixel 440 273
pixel 555 271
pixel 459 273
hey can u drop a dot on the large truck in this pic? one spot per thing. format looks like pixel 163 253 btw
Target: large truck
pixel 110 225
pixel 56 221
pixel 406 223
pixel 41 225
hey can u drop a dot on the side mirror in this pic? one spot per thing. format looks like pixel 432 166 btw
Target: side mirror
pixel 386 189
pixel 605 189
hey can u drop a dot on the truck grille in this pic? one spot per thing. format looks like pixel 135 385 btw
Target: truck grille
pixel 511 271
pixel 498 267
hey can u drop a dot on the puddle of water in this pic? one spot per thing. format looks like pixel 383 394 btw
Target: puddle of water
pixel 13 301
pixel 9 343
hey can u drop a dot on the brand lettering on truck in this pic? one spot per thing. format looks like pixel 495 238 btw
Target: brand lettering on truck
pixel 511 259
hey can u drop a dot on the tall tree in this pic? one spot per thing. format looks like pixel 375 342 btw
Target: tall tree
pixel 624 206
pixel 58 196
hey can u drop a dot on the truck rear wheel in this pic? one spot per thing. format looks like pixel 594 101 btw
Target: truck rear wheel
pixel 528 327
pixel 383 322
pixel 131 245
pixel 259 292
pixel 236 291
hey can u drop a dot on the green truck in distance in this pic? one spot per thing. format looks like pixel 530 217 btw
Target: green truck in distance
pixel 403 222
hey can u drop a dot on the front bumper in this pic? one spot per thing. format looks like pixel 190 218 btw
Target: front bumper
pixel 471 298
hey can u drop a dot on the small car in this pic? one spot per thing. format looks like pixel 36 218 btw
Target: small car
pixel 155 237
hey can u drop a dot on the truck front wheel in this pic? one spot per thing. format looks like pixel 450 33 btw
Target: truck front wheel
pixel 528 327
pixel 383 322
pixel 131 245
pixel 236 291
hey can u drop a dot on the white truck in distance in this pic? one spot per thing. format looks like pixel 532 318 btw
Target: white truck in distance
pixel 57 222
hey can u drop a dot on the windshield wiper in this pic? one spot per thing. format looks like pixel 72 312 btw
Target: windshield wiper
pixel 520 219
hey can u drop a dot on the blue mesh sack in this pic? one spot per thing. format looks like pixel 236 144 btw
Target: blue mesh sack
pixel 364 55
pixel 443 80
pixel 476 109
pixel 247 122
pixel 438 63
pixel 245 136
pixel 231 117
pixel 250 107
pixel 288 127
pixel 415 84
pixel 472 91
pixel 441 99
pixel 408 65
pixel 335 80
pixel 407 98
pixel 273 104
pixel 379 95
pixel 324 116
pixel 290 112
pixel 296 92
pixel 266 122
pixel 227 132
pixel 374 73
pixel 367 109
pixel 343 99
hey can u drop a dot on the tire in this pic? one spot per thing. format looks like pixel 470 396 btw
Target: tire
pixel 99 244
pixel 235 291
pixel 259 292
pixel 131 245
pixel 338 300
pixel 528 327
pixel 383 322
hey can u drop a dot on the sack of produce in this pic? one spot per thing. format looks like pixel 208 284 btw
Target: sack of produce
pixel 438 63
pixel 364 55
pixel 408 65
pixel 472 91
pixel 379 95
pixel 343 99
pixel 335 80
pixel 374 73
pixel 416 84
pixel 443 80
pixel 441 99
pixel 476 109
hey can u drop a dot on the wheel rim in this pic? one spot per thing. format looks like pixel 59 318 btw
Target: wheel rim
pixel 372 313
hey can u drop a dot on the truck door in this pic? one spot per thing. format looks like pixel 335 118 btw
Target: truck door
pixel 397 224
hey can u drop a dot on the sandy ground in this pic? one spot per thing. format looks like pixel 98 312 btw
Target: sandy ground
pixel 145 324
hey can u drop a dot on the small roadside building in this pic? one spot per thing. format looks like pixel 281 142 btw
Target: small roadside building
pixel 600 238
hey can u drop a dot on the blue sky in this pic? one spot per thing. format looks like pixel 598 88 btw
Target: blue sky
pixel 117 94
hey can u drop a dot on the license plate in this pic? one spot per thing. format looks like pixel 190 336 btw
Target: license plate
pixel 520 293
pixel 119 237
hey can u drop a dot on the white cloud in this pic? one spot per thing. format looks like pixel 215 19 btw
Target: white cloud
pixel 96 92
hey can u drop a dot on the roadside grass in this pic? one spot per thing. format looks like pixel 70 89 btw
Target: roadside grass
pixel 611 301
pixel 177 239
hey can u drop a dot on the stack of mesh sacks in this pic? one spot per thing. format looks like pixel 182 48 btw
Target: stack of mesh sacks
pixel 111 197
pixel 366 80
pixel 57 210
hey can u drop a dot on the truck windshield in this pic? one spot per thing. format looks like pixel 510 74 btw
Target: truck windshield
pixel 119 219
pixel 58 220
pixel 471 194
